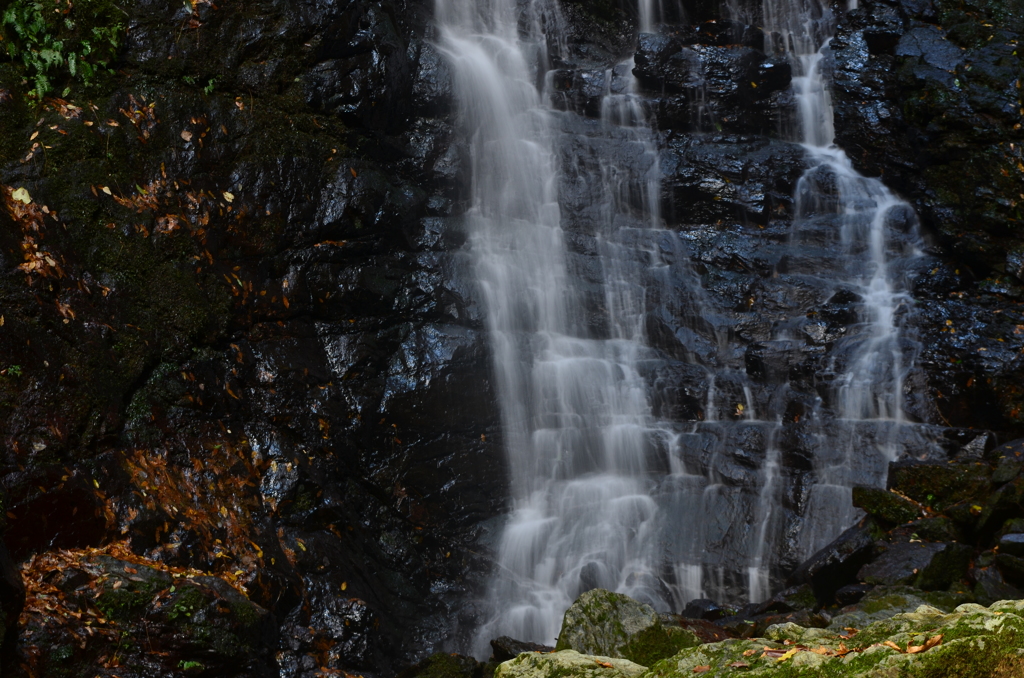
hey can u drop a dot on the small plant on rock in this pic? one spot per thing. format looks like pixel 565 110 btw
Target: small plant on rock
pixel 60 42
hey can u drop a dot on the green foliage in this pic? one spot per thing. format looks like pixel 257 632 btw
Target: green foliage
pixel 61 43
pixel 185 665
pixel 14 370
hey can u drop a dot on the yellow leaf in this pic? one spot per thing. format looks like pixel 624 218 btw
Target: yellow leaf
pixel 34 135
pixel 224 511
pixel 21 195
pixel 788 654
pixel 344 585
pixel 229 197
pixel 105 189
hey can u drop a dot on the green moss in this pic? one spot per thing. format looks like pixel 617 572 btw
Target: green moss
pixel 125 603
pixel 887 506
pixel 656 643
pixel 188 600
pixel 245 614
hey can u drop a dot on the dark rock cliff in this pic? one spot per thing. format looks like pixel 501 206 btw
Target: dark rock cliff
pixel 238 329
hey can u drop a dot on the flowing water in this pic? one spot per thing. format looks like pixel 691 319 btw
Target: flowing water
pixel 605 493
pixel 875 234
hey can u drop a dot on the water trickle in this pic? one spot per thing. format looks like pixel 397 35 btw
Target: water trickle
pixel 840 211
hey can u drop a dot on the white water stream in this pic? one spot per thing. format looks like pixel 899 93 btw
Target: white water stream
pixel 868 386
pixel 602 493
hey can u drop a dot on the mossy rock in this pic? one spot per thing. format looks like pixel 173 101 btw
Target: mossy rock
pixel 601 622
pixel 656 643
pixel 883 602
pixel 976 642
pixel 940 485
pixel 566 663
pixel 886 505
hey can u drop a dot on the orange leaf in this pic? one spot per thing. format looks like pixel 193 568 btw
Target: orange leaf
pixel 603 664
pixel 929 644
pixel 701 669
pixel 893 645
pixel 747 653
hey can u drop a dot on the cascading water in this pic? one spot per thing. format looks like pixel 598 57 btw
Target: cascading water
pixel 576 417
pixel 867 391
pixel 605 492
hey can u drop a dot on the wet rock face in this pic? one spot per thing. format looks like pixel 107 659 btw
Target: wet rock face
pixel 248 295
pixel 251 302
pixel 926 95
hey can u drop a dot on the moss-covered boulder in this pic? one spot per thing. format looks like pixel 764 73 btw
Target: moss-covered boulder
pixel 939 485
pixel 886 505
pixel 970 642
pixel 175 622
pixel 601 622
pixel 568 663
pixel 883 602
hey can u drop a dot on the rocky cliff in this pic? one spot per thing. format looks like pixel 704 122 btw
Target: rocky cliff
pixel 240 347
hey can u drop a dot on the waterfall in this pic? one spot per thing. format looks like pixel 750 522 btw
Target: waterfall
pixel 877 235
pixel 575 412
pixel 607 490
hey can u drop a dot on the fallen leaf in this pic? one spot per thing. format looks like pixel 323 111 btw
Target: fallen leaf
pixel 821 650
pixel 893 645
pixel 740 665
pixel 353 171
pixel 229 197
pixel 105 189
pixel 702 669
pixel 749 652
pixel 21 195
pixel 344 585
pixel 186 135
pixel 606 665
pixel 929 644
pixel 788 654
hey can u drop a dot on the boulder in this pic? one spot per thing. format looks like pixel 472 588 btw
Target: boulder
pixel 1012 544
pixel 926 565
pixel 885 505
pixel 838 563
pixel 601 622
pixel 568 663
